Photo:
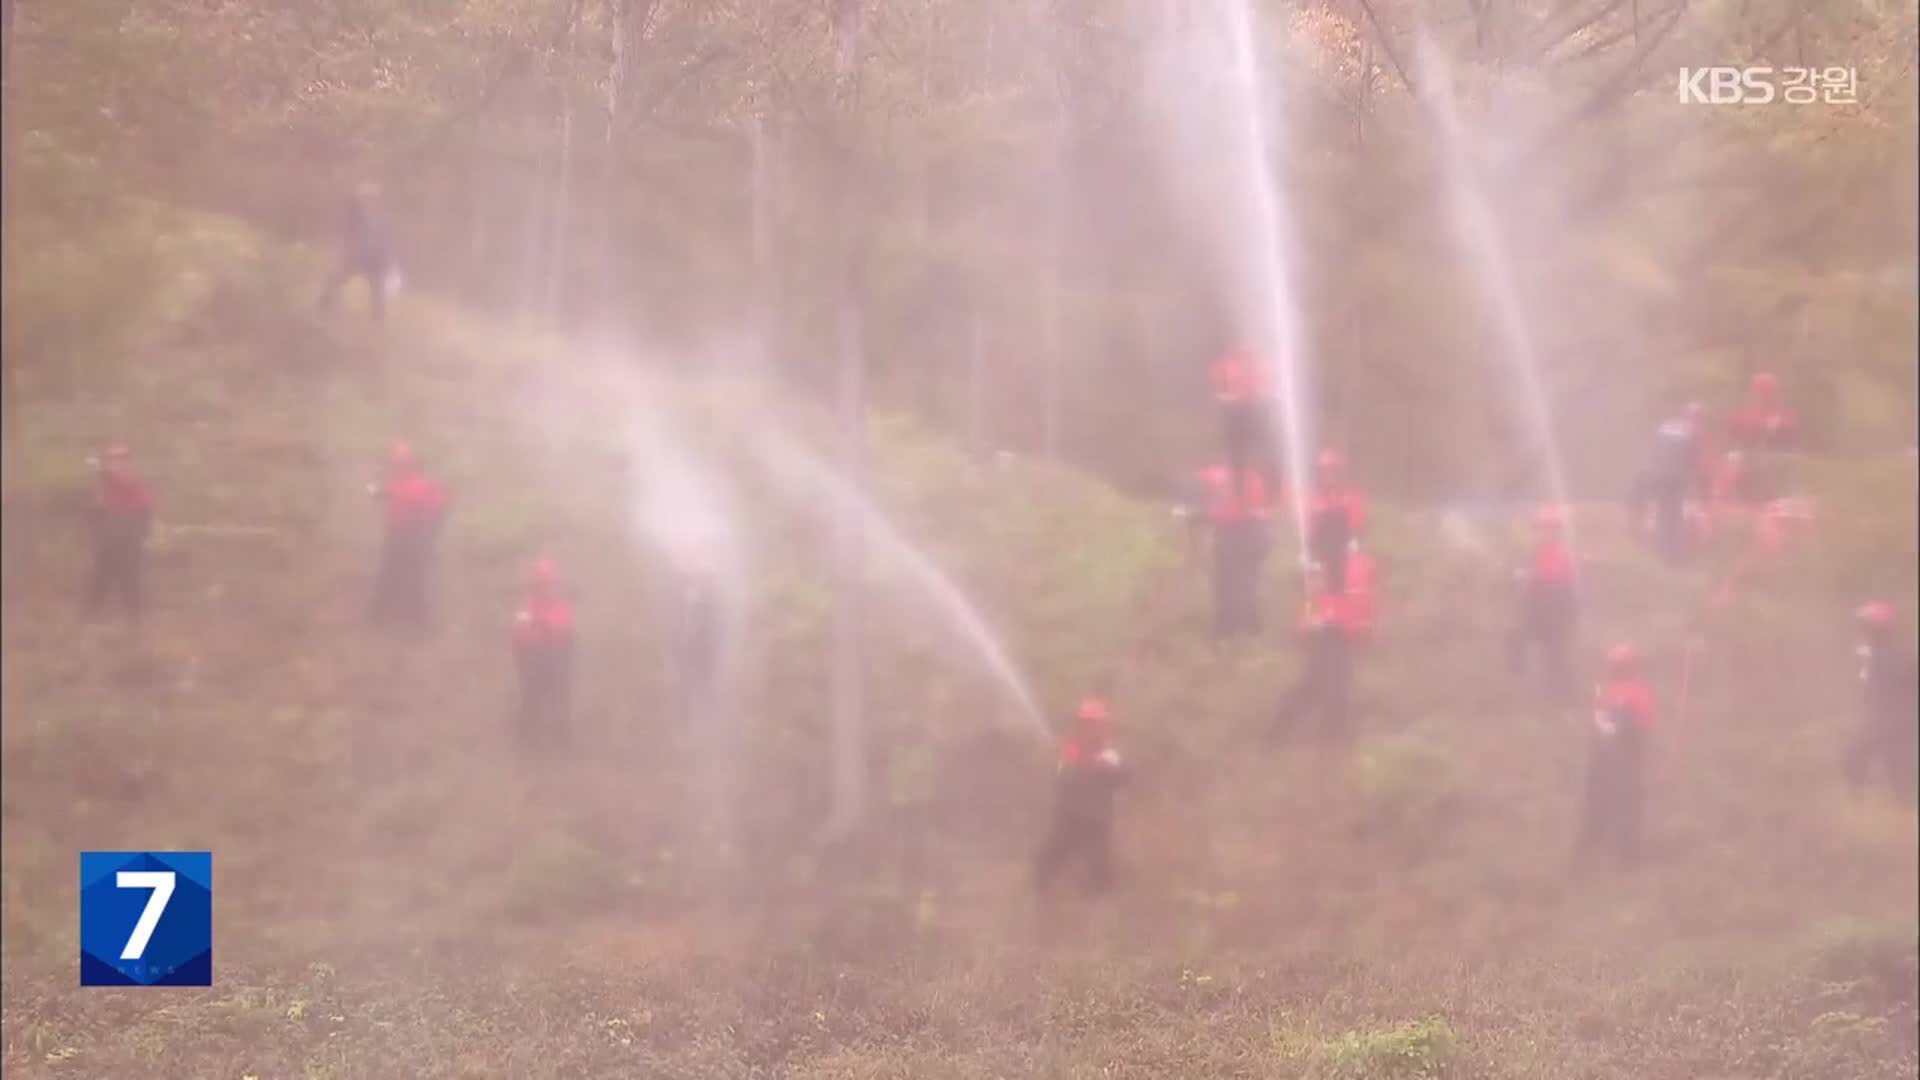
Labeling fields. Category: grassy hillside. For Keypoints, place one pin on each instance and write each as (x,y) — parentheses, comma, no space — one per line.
(403,893)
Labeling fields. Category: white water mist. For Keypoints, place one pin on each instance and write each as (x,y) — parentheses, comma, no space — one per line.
(1479,233)
(822,491)
(1216,98)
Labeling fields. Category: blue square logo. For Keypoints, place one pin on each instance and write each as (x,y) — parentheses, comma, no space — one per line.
(146,918)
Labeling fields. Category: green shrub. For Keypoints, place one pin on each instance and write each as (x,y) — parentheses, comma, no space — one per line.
(1405,785)
(555,876)
(1413,1050)
(1853,948)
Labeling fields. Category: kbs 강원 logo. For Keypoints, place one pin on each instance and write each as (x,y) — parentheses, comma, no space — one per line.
(146,918)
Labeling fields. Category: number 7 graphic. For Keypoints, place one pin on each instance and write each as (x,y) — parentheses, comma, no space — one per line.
(161,882)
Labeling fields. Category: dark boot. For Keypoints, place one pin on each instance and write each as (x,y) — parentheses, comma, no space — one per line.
(1097,843)
(1052,854)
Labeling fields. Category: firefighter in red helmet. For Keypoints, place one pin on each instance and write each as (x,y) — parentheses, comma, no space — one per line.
(1887,740)
(413,506)
(1236,515)
(122,518)
(1620,744)
(1543,631)
(543,645)
(1241,386)
(1336,514)
(1331,625)
(1087,777)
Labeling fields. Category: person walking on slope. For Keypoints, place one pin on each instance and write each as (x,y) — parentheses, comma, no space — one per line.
(1888,740)
(1543,632)
(1088,774)
(414,506)
(1237,515)
(122,518)
(1336,513)
(1330,628)
(543,645)
(1240,386)
(1670,478)
(366,251)
(1623,720)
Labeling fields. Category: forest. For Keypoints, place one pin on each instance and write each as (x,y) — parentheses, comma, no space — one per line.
(842,370)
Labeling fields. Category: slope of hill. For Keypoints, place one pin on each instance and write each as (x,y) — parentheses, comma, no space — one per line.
(402,892)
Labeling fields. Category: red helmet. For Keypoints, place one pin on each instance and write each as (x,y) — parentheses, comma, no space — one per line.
(1764,383)
(1093,712)
(117,451)
(1875,614)
(1549,519)
(1622,658)
(1330,460)
(401,454)
(544,571)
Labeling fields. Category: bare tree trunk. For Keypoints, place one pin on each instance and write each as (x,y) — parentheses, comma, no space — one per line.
(18,531)
(536,201)
(1053,253)
(849,681)
(561,225)
(977,381)
(764,300)
(16,438)
(609,276)
(1050,340)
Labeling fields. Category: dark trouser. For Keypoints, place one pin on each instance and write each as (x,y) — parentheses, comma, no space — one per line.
(546,692)
(1616,783)
(373,269)
(1544,634)
(1325,685)
(1239,548)
(1086,839)
(1888,749)
(1666,498)
(1329,542)
(1242,426)
(119,549)
(400,588)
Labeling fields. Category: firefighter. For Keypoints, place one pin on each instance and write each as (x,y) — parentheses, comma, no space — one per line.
(1623,720)
(1240,386)
(1763,422)
(1088,774)
(366,251)
(543,647)
(1669,479)
(1887,738)
(413,506)
(1336,513)
(1329,629)
(1237,516)
(122,518)
(1766,429)
(1543,632)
